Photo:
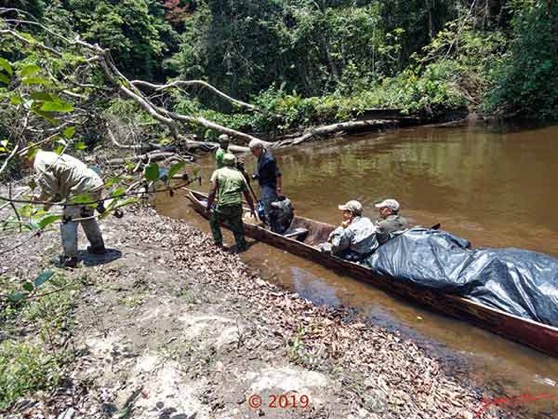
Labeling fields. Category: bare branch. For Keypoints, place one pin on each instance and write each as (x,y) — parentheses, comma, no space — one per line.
(119,145)
(203,84)
(11,156)
(27,41)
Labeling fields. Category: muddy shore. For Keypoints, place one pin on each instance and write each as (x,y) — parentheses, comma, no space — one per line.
(167,326)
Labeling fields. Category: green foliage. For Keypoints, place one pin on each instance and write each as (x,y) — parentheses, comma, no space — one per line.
(25,368)
(151,172)
(30,287)
(245,47)
(134,31)
(175,169)
(31,358)
(527,80)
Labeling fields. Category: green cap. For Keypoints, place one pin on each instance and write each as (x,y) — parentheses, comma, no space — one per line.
(229,159)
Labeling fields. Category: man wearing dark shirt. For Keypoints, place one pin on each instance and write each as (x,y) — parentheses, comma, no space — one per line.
(269,178)
(390,221)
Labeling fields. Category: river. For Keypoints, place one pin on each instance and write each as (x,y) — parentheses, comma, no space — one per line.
(491,184)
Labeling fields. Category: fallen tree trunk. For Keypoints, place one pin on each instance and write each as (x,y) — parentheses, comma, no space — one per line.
(335,128)
(210,146)
(153,157)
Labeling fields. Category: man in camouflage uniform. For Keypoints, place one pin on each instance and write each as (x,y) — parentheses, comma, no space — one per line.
(224,142)
(390,221)
(227,187)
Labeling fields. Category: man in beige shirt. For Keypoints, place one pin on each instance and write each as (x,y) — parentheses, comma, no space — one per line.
(61,178)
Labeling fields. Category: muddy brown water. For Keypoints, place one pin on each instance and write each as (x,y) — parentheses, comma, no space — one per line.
(493,185)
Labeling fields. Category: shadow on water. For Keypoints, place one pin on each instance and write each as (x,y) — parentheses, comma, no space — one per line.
(494,185)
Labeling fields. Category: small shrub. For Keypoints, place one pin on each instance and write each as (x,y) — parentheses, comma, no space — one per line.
(25,369)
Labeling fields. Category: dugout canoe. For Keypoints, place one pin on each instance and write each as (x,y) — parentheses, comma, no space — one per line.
(305,234)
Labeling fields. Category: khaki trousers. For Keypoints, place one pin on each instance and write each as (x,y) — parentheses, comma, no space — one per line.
(69,233)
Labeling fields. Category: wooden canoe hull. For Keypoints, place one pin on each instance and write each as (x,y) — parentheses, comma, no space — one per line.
(527,332)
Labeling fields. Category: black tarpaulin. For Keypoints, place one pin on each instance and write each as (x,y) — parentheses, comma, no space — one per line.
(519,282)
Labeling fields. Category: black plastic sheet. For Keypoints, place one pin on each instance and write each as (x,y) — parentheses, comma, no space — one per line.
(519,282)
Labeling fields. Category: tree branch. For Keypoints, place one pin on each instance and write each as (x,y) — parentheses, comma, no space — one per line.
(11,156)
(333,128)
(202,84)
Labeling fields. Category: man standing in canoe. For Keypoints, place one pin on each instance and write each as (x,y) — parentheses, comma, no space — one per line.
(269,178)
(390,221)
(227,187)
(355,239)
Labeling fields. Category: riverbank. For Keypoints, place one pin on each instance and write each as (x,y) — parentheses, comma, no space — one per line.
(170,327)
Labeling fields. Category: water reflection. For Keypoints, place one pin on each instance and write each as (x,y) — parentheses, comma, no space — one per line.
(313,288)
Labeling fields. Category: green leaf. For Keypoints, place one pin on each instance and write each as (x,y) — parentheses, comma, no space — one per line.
(112,181)
(16,100)
(175,168)
(125,202)
(69,132)
(29,70)
(32,184)
(17,296)
(6,66)
(60,106)
(59,149)
(28,81)
(44,96)
(82,198)
(48,220)
(152,172)
(46,115)
(4,143)
(80,146)
(120,191)
(42,278)
(28,286)
(5,78)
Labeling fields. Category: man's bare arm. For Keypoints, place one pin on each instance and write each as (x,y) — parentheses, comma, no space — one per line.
(211,197)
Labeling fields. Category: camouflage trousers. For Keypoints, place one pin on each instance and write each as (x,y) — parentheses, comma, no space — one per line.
(232,216)
(69,230)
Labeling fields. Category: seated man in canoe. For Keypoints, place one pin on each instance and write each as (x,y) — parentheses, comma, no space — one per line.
(390,221)
(355,239)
